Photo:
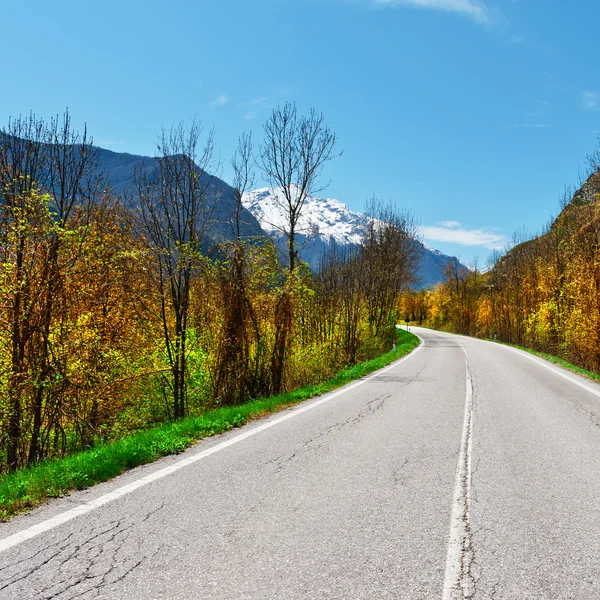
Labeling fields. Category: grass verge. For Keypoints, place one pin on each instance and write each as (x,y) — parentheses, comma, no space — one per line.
(557,361)
(27,488)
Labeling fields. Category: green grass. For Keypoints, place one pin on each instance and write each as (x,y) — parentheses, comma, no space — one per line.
(27,488)
(557,361)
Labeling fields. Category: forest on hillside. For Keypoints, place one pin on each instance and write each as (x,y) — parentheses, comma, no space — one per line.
(114,315)
(543,294)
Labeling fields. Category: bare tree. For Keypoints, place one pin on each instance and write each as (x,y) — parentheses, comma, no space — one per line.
(22,156)
(243,180)
(390,255)
(593,159)
(73,167)
(566,196)
(175,213)
(292,156)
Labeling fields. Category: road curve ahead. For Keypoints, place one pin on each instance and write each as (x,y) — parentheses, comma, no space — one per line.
(466,470)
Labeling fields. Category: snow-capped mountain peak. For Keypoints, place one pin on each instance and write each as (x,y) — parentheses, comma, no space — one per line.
(327,218)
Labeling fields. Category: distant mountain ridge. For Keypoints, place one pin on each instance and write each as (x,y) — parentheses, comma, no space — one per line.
(119,168)
(327,221)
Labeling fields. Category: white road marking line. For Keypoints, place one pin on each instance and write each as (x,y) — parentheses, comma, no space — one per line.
(82,509)
(554,369)
(457,578)
(557,370)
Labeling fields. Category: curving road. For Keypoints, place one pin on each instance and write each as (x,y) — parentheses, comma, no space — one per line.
(466,470)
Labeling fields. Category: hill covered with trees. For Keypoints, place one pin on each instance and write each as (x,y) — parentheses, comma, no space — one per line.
(543,294)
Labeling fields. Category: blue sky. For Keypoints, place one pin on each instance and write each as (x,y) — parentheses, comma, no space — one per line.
(473,114)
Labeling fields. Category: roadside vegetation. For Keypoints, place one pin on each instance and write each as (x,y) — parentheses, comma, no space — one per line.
(29,487)
(542,295)
(121,314)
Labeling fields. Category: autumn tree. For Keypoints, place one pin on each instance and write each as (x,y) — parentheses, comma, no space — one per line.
(236,380)
(73,179)
(21,165)
(341,299)
(45,170)
(292,156)
(175,210)
(390,255)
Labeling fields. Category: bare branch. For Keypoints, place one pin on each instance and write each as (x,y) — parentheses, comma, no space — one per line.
(292,157)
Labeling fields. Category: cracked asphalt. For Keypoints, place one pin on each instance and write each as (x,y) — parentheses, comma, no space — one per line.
(352,499)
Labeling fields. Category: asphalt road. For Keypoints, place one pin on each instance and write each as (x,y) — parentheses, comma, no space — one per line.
(467,470)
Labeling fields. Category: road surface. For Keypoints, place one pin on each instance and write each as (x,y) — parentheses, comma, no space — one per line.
(467,470)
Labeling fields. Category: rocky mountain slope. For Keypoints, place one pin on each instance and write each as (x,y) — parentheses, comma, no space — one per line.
(120,167)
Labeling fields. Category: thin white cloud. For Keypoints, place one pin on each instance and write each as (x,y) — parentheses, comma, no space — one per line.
(590,100)
(474,9)
(220,100)
(259,100)
(454,234)
(249,116)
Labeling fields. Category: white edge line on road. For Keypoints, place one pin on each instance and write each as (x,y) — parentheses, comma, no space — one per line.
(556,369)
(457,577)
(82,509)
(543,363)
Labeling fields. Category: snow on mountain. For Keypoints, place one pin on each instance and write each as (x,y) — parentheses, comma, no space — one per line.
(327,218)
(327,221)
(432,250)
